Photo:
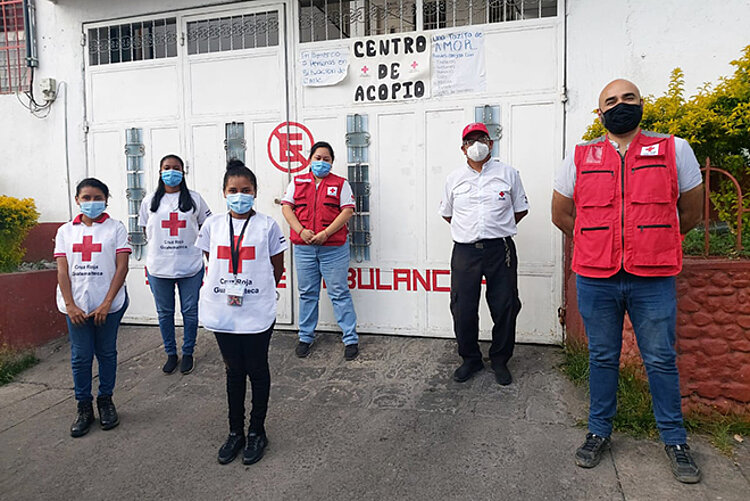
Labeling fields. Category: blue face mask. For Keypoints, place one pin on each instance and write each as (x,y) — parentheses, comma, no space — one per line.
(171,177)
(240,203)
(93,209)
(320,168)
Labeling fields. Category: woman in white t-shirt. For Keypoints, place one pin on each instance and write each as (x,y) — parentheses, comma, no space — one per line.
(172,216)
(245,253)
(92,261)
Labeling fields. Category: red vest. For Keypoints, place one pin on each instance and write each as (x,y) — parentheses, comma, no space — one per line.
(626,209)
(317,208)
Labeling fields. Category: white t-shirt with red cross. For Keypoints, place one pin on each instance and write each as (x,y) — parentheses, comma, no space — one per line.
(171,235)
(262,239)
(91,252)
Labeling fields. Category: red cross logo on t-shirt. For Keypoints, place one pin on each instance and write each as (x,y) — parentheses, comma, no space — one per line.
(87,248)
(174,223)
(246,254)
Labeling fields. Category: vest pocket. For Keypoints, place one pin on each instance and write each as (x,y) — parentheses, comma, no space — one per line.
(650,183)
(595,187)
(654,245)
(594,246)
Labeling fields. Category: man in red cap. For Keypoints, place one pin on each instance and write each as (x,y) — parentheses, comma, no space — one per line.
(483,200)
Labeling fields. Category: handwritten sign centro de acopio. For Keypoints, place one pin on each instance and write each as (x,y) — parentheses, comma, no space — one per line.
(391,68)
(458,62)
(323,67)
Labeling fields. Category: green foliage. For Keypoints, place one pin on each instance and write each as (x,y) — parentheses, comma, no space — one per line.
(13,362)
(720,243)
(716,123)
(635,415)
(17,217)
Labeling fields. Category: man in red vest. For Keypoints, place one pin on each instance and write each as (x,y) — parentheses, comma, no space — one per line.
(626,199)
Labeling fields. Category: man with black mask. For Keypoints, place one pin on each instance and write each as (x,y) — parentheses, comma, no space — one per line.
(625,199)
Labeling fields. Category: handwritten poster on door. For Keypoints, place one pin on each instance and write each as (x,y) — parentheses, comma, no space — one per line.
(458,62)
(390,68)
(324,67)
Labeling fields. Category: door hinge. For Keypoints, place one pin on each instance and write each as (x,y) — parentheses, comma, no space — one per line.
(564,95)
(182,38)
(85,127)
(83,39)
(561,315)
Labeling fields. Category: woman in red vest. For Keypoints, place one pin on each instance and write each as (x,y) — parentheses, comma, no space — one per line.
(317,206)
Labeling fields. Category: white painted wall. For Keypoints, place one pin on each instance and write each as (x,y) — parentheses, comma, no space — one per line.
(643,40)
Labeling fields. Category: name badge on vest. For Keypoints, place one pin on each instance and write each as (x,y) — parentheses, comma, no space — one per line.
(650,151)
(235,291)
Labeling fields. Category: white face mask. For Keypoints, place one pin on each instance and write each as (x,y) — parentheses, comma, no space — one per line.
(477,151)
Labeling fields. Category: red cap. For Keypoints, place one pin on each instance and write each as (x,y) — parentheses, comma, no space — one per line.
(474,127)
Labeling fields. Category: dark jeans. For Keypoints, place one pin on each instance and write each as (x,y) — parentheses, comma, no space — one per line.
(496,261)
(246,355)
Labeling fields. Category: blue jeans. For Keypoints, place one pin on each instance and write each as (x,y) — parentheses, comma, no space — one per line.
(332,264)
(88,340)
(651,304)
(163,291)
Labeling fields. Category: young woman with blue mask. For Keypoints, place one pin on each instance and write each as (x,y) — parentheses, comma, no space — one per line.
(317,206)
(92,261)
(245,251)
(172,216)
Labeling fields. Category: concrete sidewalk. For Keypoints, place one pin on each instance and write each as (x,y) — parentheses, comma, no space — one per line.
(391,425)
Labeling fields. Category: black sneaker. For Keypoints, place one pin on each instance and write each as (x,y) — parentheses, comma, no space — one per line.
(683,467)
(303,349)
(170,365)
(590,453)
(502,374)
(467,370)
(234,444)
(84,420)
(107,412)
(256,444)
(351,351)
(186,366)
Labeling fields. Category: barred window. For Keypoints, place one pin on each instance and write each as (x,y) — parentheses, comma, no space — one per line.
(13,75)
(137,41)
(248,31)
(321,20)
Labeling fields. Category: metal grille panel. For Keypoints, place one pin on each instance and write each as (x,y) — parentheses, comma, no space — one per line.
(248,31)
(137,41)
(13,75)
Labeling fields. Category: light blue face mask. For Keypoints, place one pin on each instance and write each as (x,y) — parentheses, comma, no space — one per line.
(93,209)
(171,177)
(320,168)
(240,203)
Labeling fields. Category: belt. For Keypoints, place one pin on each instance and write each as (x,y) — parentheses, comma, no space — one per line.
(492,242)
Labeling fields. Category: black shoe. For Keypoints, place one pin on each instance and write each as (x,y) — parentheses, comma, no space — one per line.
(170,365)
(351,351)
(84,420)
(186,366)
(234,444)
(502,374)
(467,369)
(107,412)
(303,349)
(683,467)
(256,444)
(590,453)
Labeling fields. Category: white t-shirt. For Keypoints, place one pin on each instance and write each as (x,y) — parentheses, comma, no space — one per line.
(171,235)
(262,239)
(346,197)
(91,253)
(483,204)
(688,169)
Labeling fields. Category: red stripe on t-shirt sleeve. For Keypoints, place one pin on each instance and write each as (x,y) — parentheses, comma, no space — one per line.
(124,249)
(60,254)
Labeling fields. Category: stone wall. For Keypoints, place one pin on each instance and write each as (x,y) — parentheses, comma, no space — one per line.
(713,334)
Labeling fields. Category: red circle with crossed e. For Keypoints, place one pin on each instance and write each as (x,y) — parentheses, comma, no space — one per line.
(288,140)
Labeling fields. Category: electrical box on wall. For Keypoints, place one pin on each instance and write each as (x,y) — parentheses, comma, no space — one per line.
(48,87)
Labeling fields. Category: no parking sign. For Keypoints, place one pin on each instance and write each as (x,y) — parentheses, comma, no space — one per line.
(286,143)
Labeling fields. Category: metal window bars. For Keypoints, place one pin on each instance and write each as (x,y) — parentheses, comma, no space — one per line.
(357,144)
(17,50)
(136,41)
(321,20)
(247,31)
(234,142)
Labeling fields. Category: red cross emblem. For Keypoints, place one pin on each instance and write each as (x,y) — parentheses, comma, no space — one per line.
(87,248)
(414,65)
(365,69)
(246,254)
(174,223)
